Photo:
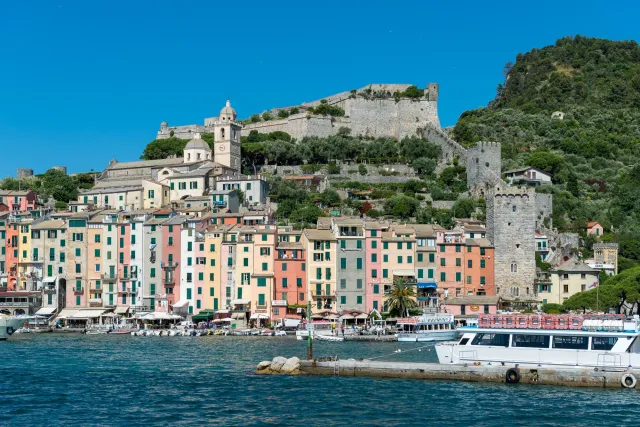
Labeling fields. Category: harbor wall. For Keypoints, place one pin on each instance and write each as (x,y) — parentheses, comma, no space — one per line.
(484,373)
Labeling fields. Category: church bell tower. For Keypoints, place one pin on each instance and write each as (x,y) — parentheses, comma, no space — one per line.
(227,139)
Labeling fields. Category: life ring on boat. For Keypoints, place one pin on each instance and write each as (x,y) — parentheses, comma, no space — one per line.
(10,330)
(512,376)
(628,381)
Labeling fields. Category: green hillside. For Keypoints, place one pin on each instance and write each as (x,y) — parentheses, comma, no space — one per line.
(593,153)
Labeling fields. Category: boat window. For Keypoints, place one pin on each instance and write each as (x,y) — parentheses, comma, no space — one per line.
(571,342)
(603,343)
(501,340)
(535,341)
(464,341)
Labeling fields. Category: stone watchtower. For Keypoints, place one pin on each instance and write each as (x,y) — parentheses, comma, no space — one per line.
(511,219)
(227,136)
(432,91)
(483,166)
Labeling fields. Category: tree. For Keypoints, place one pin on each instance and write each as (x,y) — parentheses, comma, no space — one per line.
(253,154)
(283,114)
(266,116)
(307,215)
(240,194)
(552,308)
(424,166)
(401,206)
(59,186)
(164,148)
(255,118)
(464,208)
(330,197)
(362,169)
(401,297)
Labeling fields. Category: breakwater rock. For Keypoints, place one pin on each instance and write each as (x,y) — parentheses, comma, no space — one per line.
(280,365)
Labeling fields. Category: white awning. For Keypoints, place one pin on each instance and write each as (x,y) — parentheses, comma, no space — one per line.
(121,309)
(181,304)
(347,317)
(45,311)
(67,313)
(259,316)
(239,302)
(222,311)
(404,273)
(50,279)
(88,314)
(238,316)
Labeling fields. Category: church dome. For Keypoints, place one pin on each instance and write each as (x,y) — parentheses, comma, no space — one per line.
(197,143)
(227,113)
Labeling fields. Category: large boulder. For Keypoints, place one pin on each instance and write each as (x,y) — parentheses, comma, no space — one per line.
(291,366)
(277,363)
(264,365)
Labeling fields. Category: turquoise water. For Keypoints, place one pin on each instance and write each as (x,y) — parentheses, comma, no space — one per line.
(57,379)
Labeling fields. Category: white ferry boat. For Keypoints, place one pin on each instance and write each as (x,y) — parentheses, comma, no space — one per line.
(594,342)
(431,327)
(9,325)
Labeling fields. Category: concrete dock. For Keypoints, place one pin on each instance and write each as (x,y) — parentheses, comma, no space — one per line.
(609,378)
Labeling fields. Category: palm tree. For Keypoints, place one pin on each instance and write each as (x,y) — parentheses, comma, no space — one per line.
(401,297)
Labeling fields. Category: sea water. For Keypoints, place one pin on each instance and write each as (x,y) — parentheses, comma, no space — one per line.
(68,379)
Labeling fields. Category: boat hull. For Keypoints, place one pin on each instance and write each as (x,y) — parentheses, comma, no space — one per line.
(428,336)
(9,325)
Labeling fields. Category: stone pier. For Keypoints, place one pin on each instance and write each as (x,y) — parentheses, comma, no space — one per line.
(610,378)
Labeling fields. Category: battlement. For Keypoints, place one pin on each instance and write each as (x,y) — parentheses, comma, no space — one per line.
(483,145)
(606,246)
(503,191)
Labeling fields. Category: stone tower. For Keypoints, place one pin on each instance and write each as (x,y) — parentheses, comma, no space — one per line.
(511,218)
(227,137)
(483,166)
(432,91)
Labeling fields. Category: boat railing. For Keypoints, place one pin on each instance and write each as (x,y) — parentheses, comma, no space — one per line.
(468,355)
(609,360)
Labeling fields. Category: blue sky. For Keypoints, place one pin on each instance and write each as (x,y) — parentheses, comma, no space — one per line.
(82,82)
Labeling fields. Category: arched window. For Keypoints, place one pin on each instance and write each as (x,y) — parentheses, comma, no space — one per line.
(514,267)
(514,291)
(222,133)
(198,156)
(188,156)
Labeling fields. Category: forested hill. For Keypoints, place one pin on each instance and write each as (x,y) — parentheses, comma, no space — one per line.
(593,152)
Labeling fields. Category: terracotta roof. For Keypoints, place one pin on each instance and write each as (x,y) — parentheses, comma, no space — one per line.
(592,224)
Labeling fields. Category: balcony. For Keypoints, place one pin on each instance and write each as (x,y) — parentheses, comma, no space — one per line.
(95,302)
(125,290)
(169,281)
(49,290)
(78,291)
(279,303)
(108,277)
(169,265)
(95,288)
(351,233)
(33,260)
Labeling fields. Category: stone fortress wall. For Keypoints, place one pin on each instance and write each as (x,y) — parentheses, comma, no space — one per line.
(370,112)
(364,116)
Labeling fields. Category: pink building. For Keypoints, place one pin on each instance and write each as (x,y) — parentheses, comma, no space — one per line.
(471,305)
(200,279)
(19,200)
(373,263)
(170,263)
(595,229)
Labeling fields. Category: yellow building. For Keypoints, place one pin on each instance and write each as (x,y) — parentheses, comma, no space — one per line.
(320,246)
(262,282)
(568,279)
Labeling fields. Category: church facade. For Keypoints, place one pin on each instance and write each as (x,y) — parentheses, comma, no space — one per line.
(192,175)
